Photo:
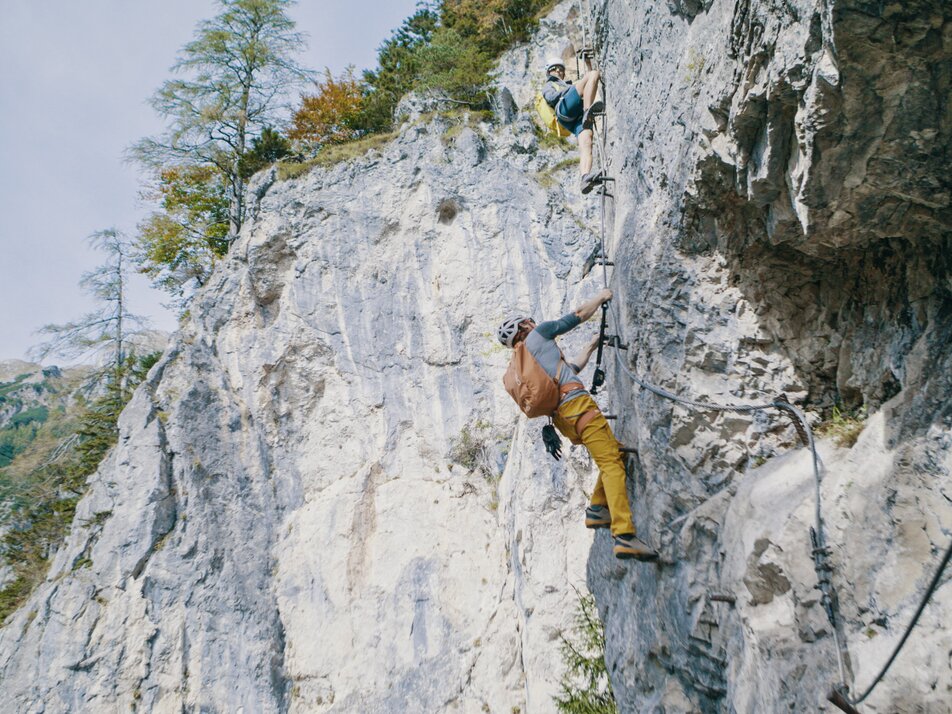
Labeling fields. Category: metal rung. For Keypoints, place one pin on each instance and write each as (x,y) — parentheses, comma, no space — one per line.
(628,449)
(839,697)
(615,341)
(610,416)
(585,52)
(602,261)
(722,597)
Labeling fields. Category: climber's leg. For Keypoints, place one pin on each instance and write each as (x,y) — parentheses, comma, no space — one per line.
(585,152)
(604,448)
(587,86)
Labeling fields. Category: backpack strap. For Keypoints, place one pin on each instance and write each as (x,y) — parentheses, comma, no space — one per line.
(568,386)
(553,92)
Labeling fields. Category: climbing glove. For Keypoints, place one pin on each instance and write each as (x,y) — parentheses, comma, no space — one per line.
(553,444)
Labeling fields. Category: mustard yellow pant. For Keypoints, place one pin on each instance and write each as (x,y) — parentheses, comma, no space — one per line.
(603,446)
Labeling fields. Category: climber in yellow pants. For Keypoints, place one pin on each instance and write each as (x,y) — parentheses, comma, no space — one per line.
(576,415)
(610,492)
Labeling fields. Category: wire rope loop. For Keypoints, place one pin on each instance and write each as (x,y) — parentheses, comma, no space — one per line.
(927,596)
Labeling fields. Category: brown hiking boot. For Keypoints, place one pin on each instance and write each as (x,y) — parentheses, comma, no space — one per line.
(629,546)
(597,517)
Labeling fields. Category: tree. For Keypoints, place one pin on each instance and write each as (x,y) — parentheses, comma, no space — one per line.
(240,68)
(585,687)
(111,328)
(454,65)
(334,114)
(178,246)
(99,422)
(397,67)
(492,25)
(38,511)
(265,150)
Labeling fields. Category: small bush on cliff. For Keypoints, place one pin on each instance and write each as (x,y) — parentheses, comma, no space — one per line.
(472,449)
(585,687)
(843,426)
(335,113)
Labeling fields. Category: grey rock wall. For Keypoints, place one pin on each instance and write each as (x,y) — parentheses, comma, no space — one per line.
(323,501)
(781,224)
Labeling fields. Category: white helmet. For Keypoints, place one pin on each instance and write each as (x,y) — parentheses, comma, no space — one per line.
(509,329)
(554,62)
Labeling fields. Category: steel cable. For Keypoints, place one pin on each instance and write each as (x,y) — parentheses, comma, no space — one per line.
(930,591)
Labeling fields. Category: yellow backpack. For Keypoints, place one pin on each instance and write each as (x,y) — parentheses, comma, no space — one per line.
(547,115)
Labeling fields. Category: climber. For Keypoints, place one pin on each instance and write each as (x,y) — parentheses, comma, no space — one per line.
(575,106)
(551,387)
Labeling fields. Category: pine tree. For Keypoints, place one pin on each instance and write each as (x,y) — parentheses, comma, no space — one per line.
(265,150)
(239,69)
(111,329)
(585,687)
(38,511)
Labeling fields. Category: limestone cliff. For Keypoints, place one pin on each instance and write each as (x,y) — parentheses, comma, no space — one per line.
(323,501)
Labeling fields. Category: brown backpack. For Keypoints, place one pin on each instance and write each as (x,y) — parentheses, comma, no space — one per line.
(536,393)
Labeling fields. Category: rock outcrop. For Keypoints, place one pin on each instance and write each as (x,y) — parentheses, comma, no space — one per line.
(322,500)
(781,224)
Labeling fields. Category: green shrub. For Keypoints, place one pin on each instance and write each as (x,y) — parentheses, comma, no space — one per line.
(843,427)
(265,150)
(38,414)
(472,449)
(585,687)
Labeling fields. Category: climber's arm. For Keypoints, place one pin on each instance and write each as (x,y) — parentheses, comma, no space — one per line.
(582,358)
(589,307)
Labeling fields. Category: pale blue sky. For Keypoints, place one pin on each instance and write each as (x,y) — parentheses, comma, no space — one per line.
(73,90)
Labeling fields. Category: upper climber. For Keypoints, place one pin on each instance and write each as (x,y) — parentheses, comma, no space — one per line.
(575,107)
(544,383)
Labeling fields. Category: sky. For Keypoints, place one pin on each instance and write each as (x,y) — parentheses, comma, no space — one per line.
(74,86)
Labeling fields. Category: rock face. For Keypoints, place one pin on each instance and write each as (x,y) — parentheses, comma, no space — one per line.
(781,224)
(322,500)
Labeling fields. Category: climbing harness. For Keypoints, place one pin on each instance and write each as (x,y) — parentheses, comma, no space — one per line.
(821,552)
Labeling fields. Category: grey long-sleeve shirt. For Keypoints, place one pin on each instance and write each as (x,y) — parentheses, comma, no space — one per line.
(554,89)
(541,345)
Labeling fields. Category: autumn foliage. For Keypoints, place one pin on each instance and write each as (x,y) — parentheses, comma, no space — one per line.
(334,114)
(178,246)
(446,46)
